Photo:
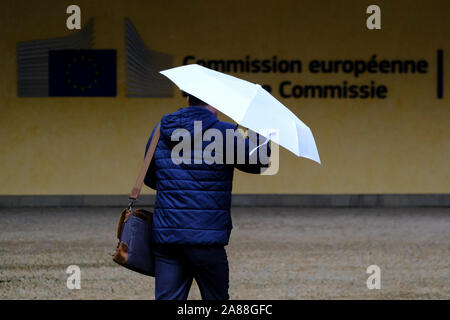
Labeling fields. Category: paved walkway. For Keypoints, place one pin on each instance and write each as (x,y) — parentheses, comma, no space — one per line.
(275,253)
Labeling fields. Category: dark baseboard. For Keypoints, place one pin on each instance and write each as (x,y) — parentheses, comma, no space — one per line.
(245,200)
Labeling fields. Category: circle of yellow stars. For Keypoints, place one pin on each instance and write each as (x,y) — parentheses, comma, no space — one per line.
(73,63)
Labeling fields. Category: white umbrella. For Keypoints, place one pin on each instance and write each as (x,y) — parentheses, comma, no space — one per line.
(248,104)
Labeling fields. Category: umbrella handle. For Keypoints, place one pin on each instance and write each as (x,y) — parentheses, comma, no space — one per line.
(265,142)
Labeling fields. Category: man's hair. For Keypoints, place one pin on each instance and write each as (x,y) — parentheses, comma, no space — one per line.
(194,101)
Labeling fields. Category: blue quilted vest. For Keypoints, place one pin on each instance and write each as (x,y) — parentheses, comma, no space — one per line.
(193,200)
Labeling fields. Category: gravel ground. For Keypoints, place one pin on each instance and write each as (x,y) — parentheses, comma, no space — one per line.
(274,253)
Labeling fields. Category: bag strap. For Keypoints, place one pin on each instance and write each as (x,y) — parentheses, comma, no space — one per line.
(148,159)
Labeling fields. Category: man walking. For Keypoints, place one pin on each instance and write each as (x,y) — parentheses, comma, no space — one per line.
(192,222)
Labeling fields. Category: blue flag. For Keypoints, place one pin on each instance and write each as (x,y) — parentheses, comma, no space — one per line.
(82,73)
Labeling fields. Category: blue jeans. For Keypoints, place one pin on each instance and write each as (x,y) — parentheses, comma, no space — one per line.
(177,265)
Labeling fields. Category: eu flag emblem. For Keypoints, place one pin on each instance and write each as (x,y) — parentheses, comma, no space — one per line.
(82,73)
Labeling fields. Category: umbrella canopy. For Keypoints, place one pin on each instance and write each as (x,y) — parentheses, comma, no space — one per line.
(249,105)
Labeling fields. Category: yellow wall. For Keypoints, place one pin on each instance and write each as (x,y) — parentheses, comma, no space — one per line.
(94,145)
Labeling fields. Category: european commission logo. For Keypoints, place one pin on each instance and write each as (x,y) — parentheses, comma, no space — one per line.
(70,67)
(82,73)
